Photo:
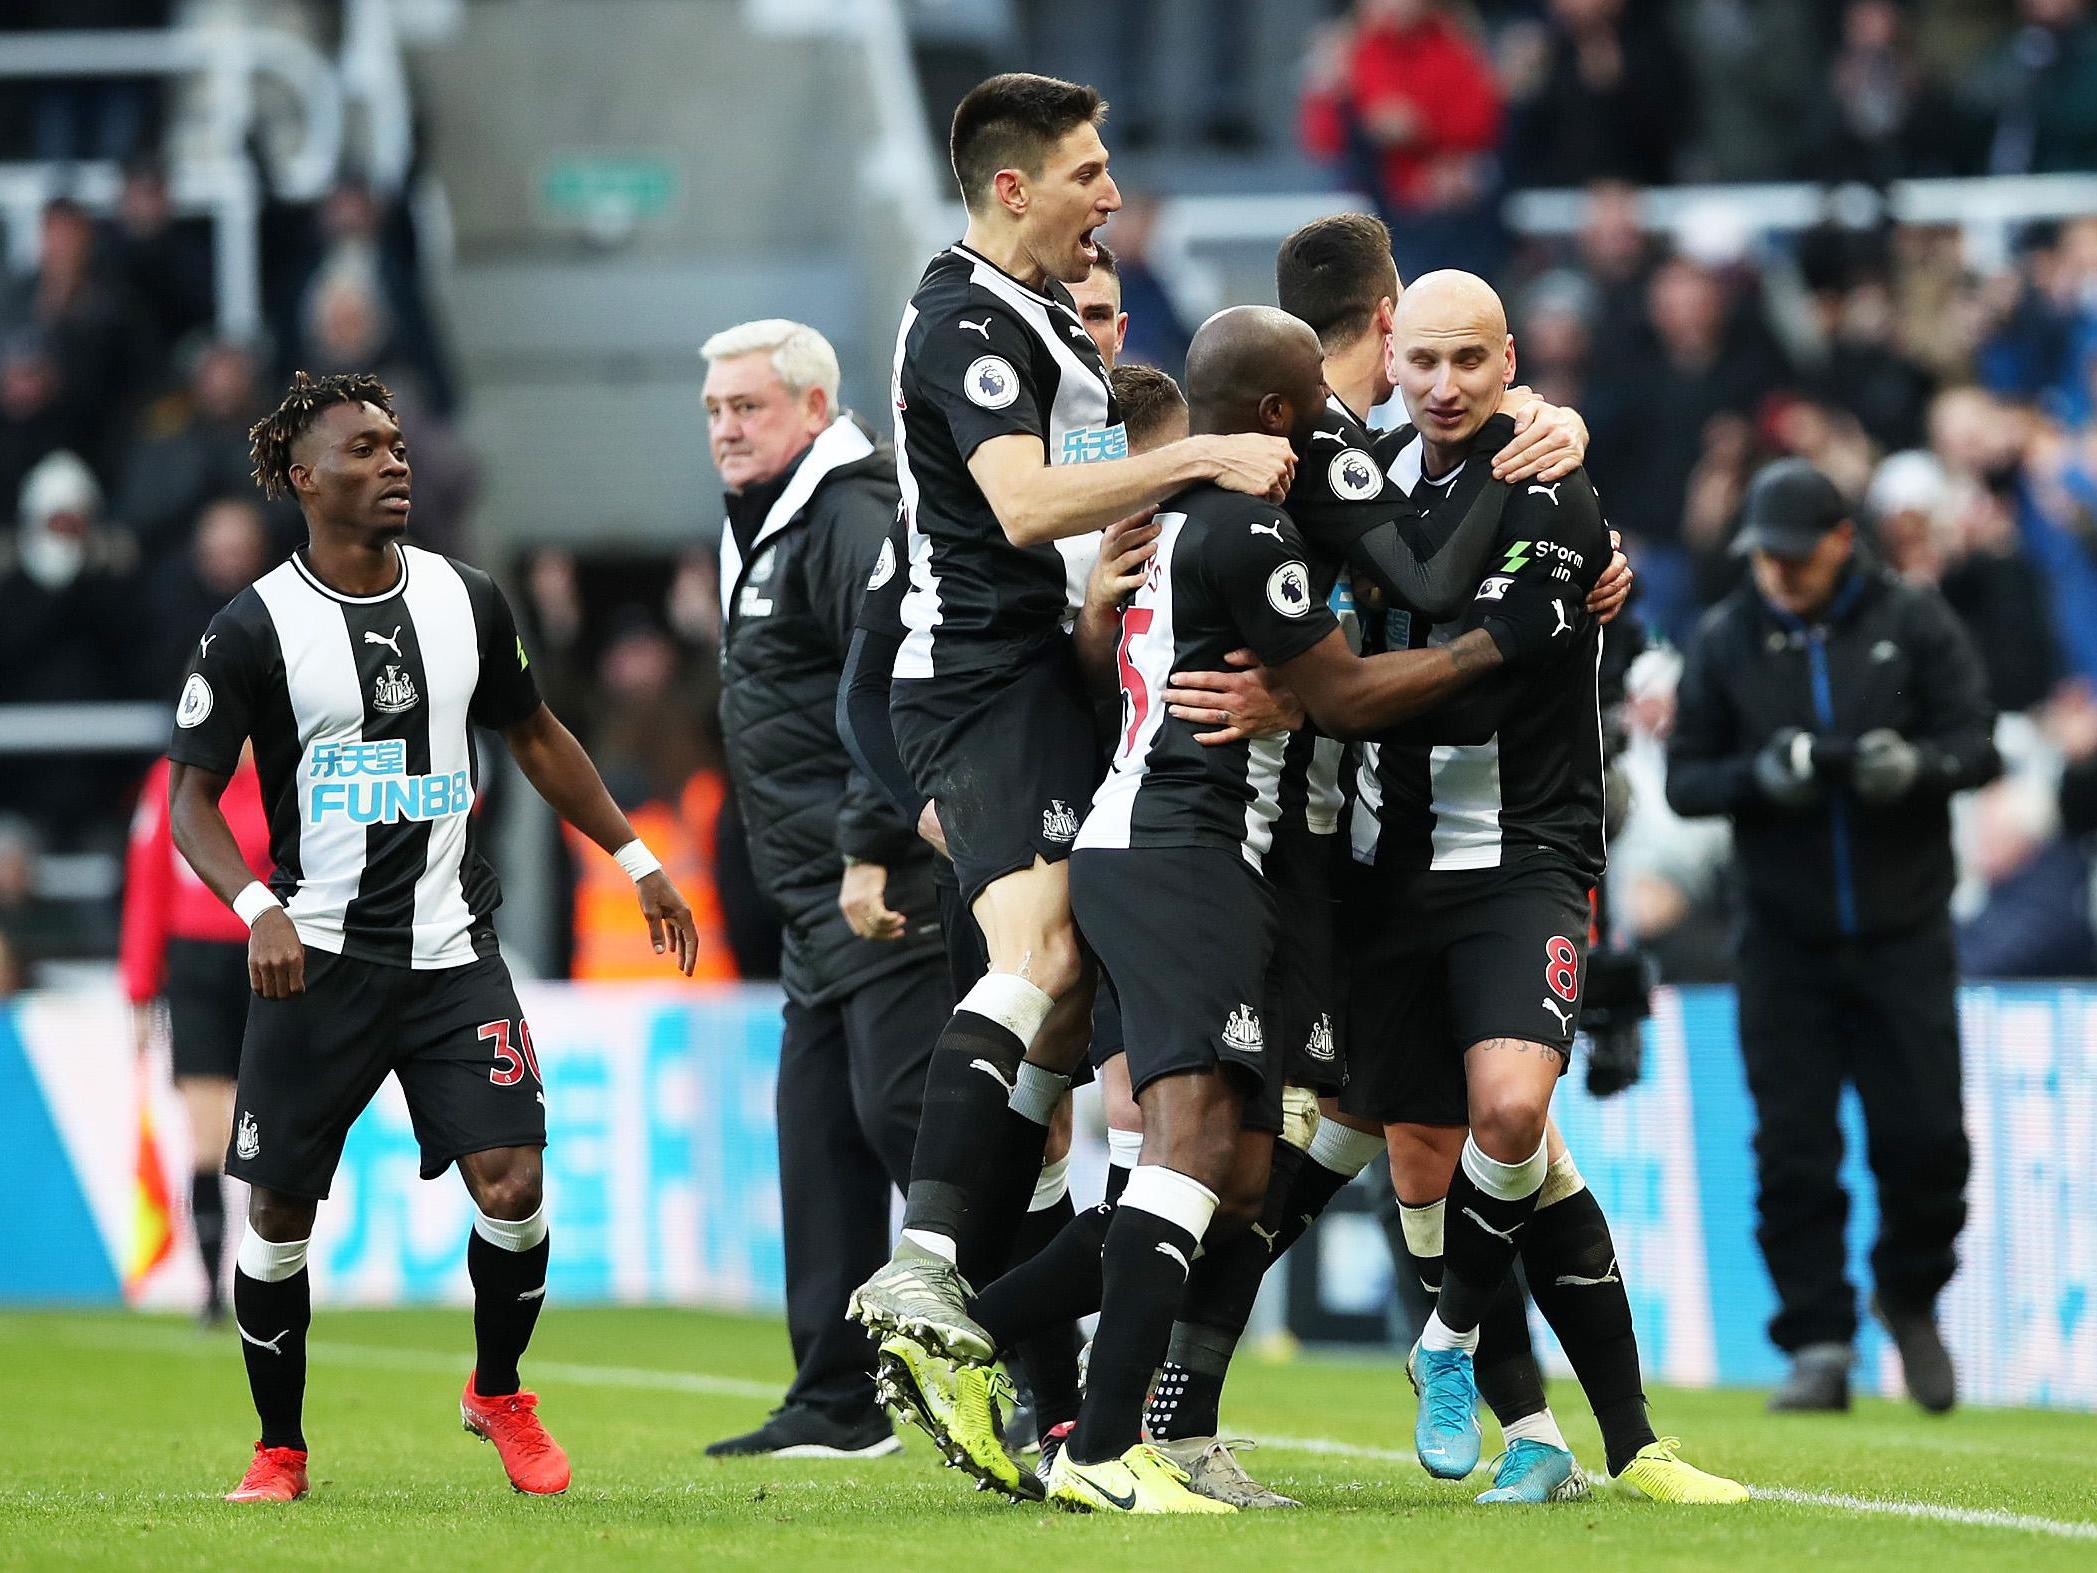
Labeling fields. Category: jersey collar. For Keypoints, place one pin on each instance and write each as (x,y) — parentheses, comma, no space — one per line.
(305,572)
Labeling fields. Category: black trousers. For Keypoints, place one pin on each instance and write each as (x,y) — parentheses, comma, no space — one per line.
(1880,1015)
(851,1084)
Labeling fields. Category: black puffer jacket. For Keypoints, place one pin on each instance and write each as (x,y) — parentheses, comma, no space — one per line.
(1886,654)
(790,600)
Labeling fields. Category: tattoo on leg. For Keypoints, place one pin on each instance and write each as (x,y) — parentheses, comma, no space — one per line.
(1524,1046)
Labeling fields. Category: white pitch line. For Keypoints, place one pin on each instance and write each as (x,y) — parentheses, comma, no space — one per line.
(1977,1518)
(709,1385)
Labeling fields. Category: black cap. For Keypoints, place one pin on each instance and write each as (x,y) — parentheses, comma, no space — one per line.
(1790,507)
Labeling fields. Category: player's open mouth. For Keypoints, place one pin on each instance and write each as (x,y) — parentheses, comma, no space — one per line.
(1088,246)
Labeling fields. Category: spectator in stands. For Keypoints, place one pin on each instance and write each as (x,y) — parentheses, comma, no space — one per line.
(34,419)
(192,447)
(1755,73)
(354,235)
(229,548)
(165,262)
(68,614)
(96,332)
(1618,258)
(1862,367)
(35,928)
(1410,103)
(2040,91)
(1882,115)
(2035,919)
(2070,726)
(1962,538)
(1596,96)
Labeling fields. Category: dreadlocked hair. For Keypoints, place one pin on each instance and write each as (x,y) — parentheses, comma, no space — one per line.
(270,439)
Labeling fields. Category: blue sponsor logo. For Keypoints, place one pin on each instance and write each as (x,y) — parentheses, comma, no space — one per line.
(1397,630)
(337,761)
(1092,444)
(358,790)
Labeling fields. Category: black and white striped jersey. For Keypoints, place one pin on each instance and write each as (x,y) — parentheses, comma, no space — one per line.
(981,355)
(1230,572)
(360,710)
(1514,766)
(1354,520)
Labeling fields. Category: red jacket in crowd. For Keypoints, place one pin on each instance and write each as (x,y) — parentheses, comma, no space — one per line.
(1437,74)
(163,898)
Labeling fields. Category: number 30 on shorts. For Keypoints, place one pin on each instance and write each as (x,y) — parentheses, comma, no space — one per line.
(1562,968)
(510,1063)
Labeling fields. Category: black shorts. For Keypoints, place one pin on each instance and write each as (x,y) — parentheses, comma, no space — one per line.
(1439,961)
(207,1005)
(1010,757)
(312,1062)
(1304,985)
(1187,934)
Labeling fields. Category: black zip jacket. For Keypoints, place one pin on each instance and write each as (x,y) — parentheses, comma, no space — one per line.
(791,589)
(1886,654)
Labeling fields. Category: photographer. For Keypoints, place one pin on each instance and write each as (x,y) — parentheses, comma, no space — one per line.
(1832,711)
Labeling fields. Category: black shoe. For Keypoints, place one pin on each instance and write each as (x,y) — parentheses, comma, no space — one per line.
(798,1431)
(1819,1381)
(1925,1364)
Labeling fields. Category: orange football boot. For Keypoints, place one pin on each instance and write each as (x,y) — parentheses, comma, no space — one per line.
(532,1459)
(275,1474)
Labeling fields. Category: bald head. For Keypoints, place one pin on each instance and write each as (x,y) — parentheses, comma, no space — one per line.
(1450,354)
(1449,301)
(1255,369)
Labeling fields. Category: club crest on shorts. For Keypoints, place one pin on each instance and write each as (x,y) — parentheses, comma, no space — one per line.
(394,691)
(1059,821)
(1319,1045)
(1289,589)
(1242,1030)
(247,1141)
(1353,476)
(991,382)
(196,701)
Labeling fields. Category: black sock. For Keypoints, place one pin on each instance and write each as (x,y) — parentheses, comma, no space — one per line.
(1144,1274)
(1049,1358)
(1479,1234)
(1117,1181)
(1058,1283)
(1509,1379)
(963,1168)
(1282,1169)
(1573,1273)
(990,1237)
(207,1215)
(1213,1313)
(1311,1190)
(509,1287)
(273,1318)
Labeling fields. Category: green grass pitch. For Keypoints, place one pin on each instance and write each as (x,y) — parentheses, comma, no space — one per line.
(119,1433)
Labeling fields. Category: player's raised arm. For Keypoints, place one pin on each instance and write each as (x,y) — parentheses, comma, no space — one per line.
(1036,502)
(562,773)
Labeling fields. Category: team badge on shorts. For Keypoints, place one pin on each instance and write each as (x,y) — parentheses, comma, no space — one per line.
(1319,1045)
(247,1141)
(196,701)
(1059,821)
(1353,476)
(1242,1030)
(990,382)
(1289,589)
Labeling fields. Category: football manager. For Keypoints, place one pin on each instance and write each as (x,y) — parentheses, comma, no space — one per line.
(811,496)
(1831,711)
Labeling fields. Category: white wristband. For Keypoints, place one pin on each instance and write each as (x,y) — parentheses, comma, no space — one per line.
(255,898)
(637,860)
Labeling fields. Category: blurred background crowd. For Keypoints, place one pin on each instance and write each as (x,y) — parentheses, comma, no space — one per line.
(1716,224)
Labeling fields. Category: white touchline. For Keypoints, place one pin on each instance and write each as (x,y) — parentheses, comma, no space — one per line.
(704,1383)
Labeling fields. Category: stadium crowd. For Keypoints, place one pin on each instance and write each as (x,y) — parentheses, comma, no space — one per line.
(1944,377)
